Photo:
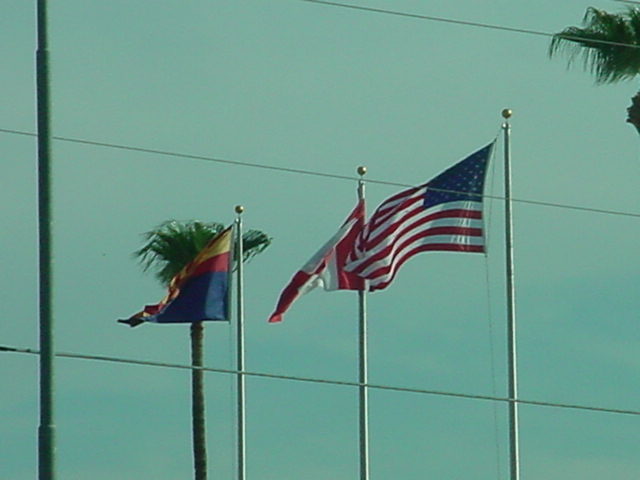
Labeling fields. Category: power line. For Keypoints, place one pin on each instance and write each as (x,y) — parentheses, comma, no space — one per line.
(464,22)
(194,157)
(299,171)
(422,391)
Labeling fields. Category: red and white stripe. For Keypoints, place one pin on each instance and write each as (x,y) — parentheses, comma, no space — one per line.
(401,227)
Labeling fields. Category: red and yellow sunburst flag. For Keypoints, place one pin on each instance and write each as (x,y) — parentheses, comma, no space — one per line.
(200,291)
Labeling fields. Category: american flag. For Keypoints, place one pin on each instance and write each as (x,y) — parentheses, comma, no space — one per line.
(444,214)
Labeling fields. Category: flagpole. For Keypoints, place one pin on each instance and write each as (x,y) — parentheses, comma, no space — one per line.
(46,430)
(363,365)
(511,310)
(240,347)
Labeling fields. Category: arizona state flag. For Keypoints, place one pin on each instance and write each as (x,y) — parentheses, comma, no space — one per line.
(200,291)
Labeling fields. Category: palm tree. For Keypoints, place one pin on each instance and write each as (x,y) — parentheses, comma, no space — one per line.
(609,46)
(168,248)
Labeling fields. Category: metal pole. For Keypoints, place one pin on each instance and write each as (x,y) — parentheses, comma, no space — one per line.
(363,366)
(511,305)
(46,430)
(242,471)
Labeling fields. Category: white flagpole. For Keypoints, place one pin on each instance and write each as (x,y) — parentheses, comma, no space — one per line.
(240,347)
(511,305)
(363,368)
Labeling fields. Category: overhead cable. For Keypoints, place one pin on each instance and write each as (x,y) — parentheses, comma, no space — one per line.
(104,358)
(461,22)
(310,172)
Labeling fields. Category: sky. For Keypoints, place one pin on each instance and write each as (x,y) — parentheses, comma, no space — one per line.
(318,88)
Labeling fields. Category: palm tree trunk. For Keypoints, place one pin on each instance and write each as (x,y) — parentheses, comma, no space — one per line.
(197,403)
(633,112)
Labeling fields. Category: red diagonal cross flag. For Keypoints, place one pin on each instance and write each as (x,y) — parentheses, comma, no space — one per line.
(326,267)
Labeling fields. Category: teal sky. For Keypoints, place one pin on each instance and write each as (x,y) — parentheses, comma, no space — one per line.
(287,83)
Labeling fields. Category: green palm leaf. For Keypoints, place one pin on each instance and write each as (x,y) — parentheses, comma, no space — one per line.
(597,44)
(172,245)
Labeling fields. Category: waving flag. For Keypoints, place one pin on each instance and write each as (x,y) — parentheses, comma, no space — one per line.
(326,267)
(444,214)
(200,291)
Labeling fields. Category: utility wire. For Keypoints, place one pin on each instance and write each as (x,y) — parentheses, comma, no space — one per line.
(310,172)
(104,358)
(464,22)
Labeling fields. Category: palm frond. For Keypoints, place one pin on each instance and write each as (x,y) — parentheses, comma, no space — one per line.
(595,44)
(253,243)
(172,245)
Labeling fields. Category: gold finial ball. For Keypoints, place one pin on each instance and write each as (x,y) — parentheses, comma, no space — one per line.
(362,170)
(239,209)
(507,112)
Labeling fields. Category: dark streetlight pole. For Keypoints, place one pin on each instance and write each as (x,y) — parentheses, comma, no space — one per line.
(46,430)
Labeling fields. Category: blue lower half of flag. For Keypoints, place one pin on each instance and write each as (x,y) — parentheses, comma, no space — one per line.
(205,297)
